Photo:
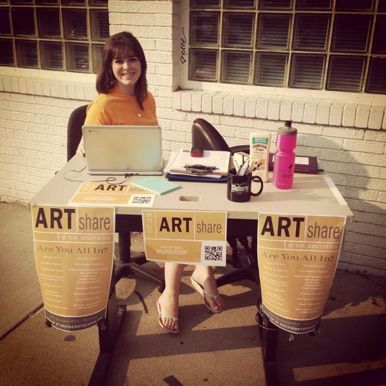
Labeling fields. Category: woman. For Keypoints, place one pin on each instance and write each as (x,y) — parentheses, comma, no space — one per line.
(124,100)
(122,86)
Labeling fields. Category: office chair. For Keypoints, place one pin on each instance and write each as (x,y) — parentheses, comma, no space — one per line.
(206,137)
(127,262)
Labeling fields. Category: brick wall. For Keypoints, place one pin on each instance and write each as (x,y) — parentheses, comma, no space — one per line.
(349,138)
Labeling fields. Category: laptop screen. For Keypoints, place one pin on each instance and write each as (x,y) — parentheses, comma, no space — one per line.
(123,149)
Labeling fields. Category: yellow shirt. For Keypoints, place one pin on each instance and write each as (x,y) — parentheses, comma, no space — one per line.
(118,108)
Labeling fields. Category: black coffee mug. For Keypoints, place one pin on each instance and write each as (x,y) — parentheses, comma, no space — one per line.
(240,187)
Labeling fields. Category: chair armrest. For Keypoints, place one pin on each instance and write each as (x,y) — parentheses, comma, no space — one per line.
(240,148)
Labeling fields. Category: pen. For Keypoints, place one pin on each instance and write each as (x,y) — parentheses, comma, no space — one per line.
(244,168)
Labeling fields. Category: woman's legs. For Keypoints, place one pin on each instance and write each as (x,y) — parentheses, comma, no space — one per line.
(168,301)
(204,275)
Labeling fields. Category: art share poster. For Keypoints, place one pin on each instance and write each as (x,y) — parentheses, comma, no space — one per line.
(74,261)
(297,257)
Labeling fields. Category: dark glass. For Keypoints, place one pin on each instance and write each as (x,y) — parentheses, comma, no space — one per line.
(20,2)
(51,55)
(275,4)
(23,21)
(99,20)
(46,2)
(376,79)
(204,28)
(351,33)
(75,23)
(205,3)
(72,2)
(270,69)
(307,71)
(353,5)
(273,31)
(5,28)
(48,22)
(236,67)
(381,5)
(311,32)
(98,2)
(6,52)
(77,57)
(97,50)
(203,65)
(239,4)
(237,29)
(379,39)
(313,4)
(26,53)
(346,73)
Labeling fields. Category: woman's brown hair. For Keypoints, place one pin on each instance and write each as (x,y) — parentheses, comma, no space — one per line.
(122,45)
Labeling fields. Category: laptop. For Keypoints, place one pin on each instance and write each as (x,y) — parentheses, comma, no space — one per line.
(123,149)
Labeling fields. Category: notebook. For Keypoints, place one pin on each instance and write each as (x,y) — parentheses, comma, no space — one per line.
(158,185)
(123,149)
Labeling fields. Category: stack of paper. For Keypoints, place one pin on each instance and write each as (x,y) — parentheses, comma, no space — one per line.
(180,164)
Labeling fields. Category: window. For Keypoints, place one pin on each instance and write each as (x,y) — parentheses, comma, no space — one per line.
(337,45)
(62,35)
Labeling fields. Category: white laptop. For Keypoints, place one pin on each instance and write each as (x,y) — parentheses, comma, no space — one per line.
(123,149)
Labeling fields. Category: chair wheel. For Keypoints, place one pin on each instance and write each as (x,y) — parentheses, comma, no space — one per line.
(161,288)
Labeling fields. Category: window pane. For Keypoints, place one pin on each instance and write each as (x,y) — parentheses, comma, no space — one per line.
(236,67)
(5,27)
(75,24)
(6,52)
(99,27)
(313,4)
(205,3)
(270,69)
(346,73)
(350,33)
(273,31)
(307,71)
(98,2)
(376,80)
(48,22)
(77,57)
(44,2)
(26,53)
(237,29)
(204,28)
(17,2)
(72,2)
(275,4)
(347,5)
(379,40)
(51,55)
(97,50)
(239,4)
(202,65)
(23,21)
(382,6)
(311,32)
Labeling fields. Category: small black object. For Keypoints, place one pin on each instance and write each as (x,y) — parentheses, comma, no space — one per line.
(196,152)
(199,169)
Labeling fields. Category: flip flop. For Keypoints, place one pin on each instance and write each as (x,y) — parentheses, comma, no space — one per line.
(200,289)
(162,316)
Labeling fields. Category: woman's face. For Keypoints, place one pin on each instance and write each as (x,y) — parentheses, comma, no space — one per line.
(127,72)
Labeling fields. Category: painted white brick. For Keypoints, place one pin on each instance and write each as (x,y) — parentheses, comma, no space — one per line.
(206,103)
(298,110)
(262,107)
(285,110)
(336,114)
(363,146)
(196,101)
(322,113)
(378,135)
(349,112)
(177,101)
(273,109)
(343,133)
(218,104)
(228,102)
(320,141)
(236,121)
(309,112)
(239,106)
(376,116)
(381,197)
(250,107)
(186,100)
(362,116)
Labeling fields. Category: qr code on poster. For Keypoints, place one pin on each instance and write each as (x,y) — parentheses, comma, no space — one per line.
(145,200)
(214,253)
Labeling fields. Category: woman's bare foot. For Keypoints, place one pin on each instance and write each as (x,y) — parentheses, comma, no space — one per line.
(168,313)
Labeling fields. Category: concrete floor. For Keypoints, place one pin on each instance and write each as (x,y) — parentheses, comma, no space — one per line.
(224,349)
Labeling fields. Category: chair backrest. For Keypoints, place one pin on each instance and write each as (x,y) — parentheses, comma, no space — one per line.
(206,137)
(74,129)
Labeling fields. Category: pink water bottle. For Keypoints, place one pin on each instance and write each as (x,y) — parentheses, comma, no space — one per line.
(284,163)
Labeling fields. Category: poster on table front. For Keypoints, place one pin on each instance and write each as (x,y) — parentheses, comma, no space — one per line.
(74,261)
(297,257)
(186,237)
